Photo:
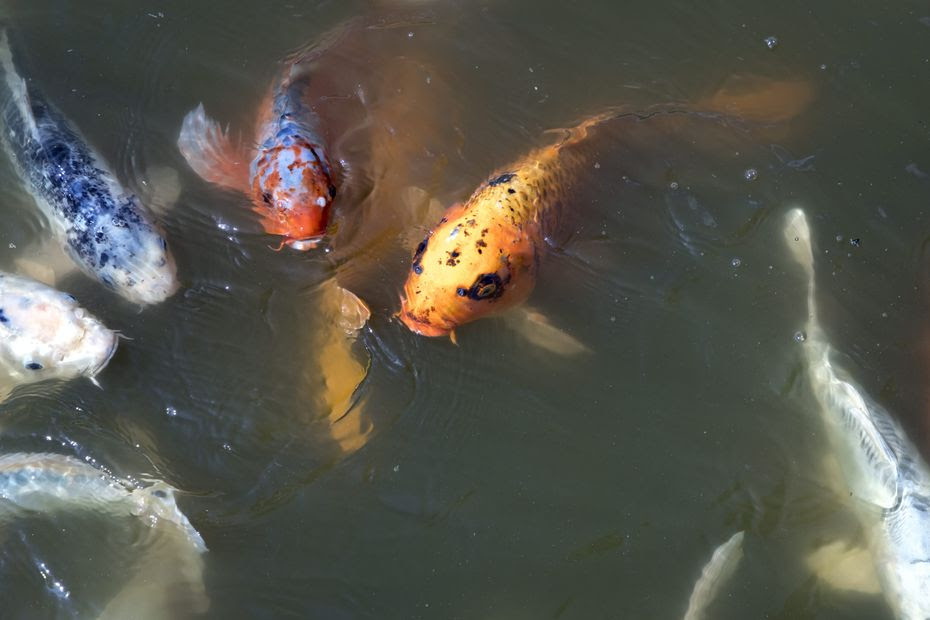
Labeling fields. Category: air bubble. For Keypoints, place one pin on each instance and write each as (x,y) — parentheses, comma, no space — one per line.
(171,411)
(736,262)
(751,174)
(673,185)
(771,42)
(800,336)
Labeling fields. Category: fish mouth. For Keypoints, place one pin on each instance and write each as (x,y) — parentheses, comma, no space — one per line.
(302,245)
(420,326)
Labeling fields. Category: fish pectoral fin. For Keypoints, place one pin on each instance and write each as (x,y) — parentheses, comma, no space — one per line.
(418,211)
(209,151)
(844,567)
(350,312)
(537,329)
(6,388)
(161,188)
(47,263)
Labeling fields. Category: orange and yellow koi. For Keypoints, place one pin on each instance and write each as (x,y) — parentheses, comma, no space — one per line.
(483,256)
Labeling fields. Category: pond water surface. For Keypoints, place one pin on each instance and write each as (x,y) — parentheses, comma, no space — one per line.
(493,479)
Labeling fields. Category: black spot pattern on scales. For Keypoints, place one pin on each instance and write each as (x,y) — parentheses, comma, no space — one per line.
(504,178)
(107,232)
(418,255)
(486,286)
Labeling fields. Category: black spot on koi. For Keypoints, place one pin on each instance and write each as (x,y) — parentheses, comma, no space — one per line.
(504,178)
(486,286)
(418,255)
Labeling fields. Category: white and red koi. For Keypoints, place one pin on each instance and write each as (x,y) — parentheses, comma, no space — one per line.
(289,177)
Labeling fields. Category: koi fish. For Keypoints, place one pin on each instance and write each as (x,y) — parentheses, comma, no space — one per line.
(289,177)
(45,334)
(483,256)
(41,482)
(883,472)
(103,227)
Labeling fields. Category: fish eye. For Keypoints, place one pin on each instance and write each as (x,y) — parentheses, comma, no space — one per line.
(266,196)
(34,366)
(486,286)
(159,493)
(461,292)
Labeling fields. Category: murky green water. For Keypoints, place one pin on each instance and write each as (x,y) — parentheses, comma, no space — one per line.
(492,479)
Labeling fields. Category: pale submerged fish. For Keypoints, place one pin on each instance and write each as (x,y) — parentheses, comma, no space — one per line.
(45,334)
(39,482)
(885,476)
(104,227)
(718,570)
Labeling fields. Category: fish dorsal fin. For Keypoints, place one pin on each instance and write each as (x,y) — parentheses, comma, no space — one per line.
(874,479)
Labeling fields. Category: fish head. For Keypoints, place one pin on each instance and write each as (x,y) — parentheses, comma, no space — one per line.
(292,190)
(153,278)
(157,503)
(131,255)
(55,338)
(471,265)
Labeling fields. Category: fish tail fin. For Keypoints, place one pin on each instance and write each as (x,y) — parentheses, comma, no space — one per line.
(209,151)
(798,237)
(15,85)
(580,132)
(760,100)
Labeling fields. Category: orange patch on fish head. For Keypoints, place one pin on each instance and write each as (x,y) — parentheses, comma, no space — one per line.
(470,266)
(293,191)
